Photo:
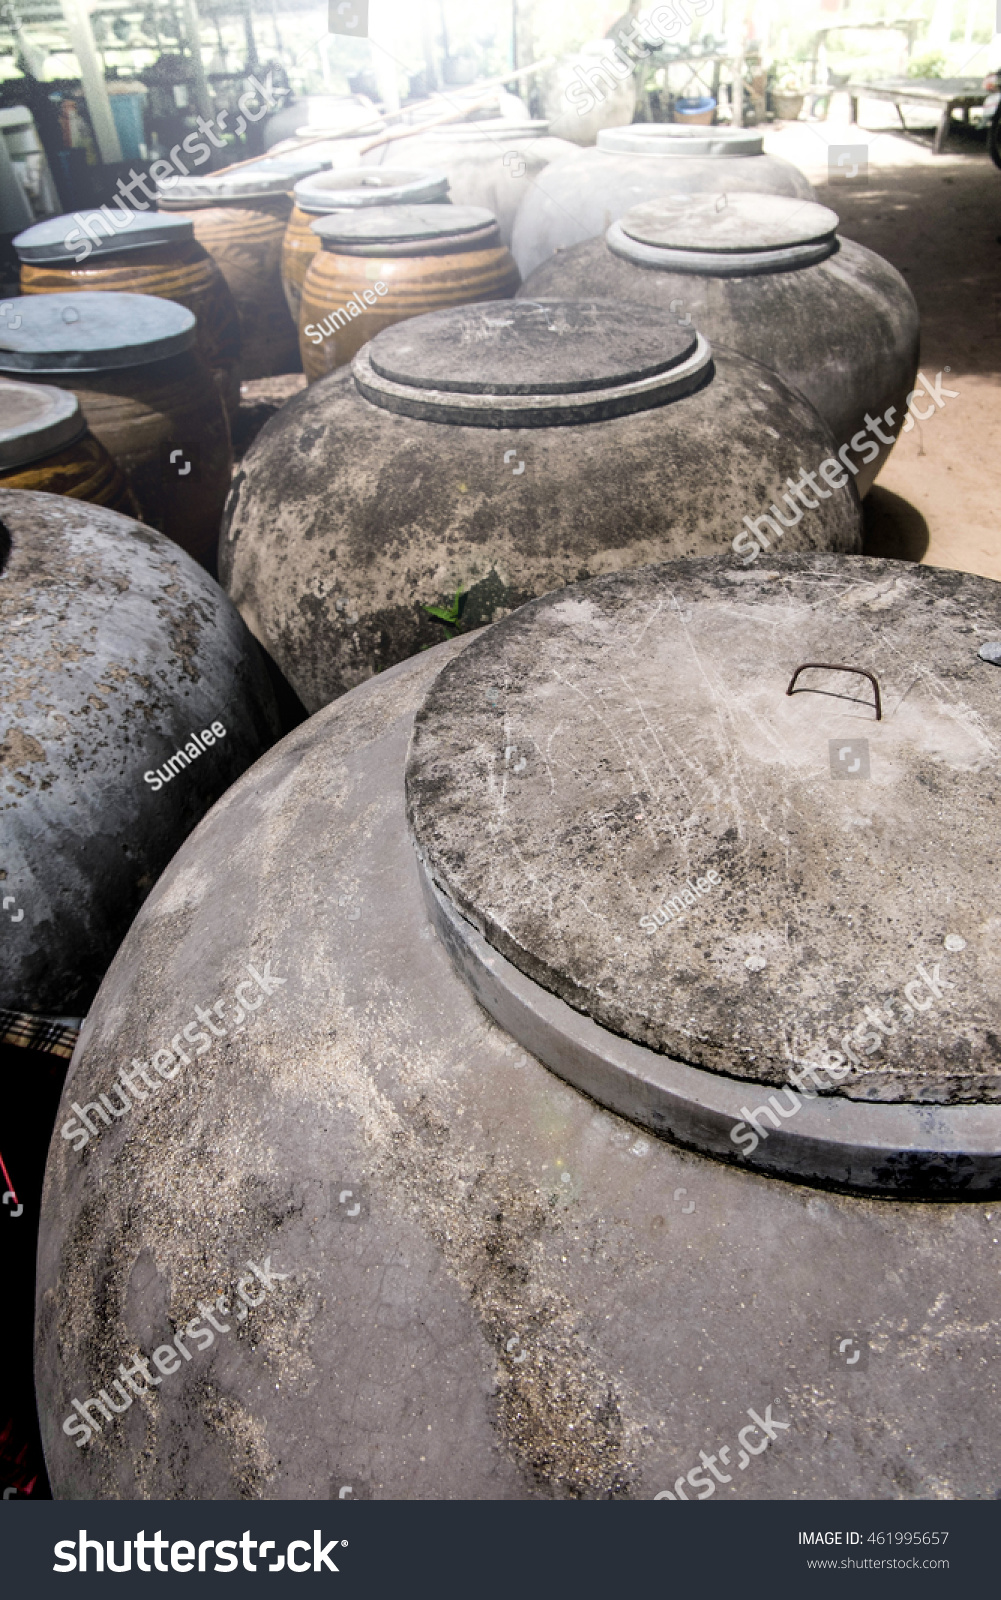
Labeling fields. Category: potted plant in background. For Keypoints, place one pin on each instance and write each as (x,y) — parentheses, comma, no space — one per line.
(786,91)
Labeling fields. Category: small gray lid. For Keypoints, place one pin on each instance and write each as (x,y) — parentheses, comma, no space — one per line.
(36,420)
(666,139)
(271,177)
(61,238)
(358,187)
(415,225)
(89,332)
(725,234)
(530,364)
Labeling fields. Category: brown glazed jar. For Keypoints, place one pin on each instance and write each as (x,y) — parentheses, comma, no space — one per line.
(354,189)
(240,218)
(383,266)
(152,254)
(145,392)
(45,445)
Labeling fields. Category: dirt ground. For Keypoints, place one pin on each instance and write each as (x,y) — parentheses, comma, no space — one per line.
(938,219)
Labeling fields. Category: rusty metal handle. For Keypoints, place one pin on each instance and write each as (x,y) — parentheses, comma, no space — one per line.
(830,666)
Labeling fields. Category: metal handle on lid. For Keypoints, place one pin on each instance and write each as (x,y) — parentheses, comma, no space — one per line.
(830,666)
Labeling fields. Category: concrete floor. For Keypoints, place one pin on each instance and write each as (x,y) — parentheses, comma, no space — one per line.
(938,220)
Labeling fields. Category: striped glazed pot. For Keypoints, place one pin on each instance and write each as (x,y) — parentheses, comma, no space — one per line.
(350,189)
(83,470)
(395,262)
(244,239)
(182,271)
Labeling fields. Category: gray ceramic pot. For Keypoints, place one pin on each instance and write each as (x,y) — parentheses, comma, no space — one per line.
(497,451)
(118,656)
(580,197)
(768,276)
(398,1256)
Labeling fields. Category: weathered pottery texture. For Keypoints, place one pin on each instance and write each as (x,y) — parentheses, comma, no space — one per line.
(482,1283)
(770,277)
(501,451)
(116,649)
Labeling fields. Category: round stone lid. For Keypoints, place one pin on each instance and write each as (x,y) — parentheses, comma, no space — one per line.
(666,139)
(86,332)
(62,238)
(388,225)
(616,788)
(725,233)
(35,421)
(274,177)
(358,187)
(528,363)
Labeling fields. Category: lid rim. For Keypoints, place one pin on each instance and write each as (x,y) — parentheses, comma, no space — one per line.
(56,250)
(367,226)
(889,1148)
(24,442)
(662,139)
(718,263)
(498,409)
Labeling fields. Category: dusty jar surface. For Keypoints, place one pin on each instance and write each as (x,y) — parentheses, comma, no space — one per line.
(475,457)
(609,1305)
(116,652)
(767,275)
(379,267)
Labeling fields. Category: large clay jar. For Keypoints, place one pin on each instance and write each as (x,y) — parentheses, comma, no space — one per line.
(494,163)
(117,653)
(133,363)
(768,276)
(153,254)
(456,1213)
(346,190)
(581,197)
(380,266)
(240,218)
(496,452)
(45,444)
